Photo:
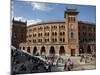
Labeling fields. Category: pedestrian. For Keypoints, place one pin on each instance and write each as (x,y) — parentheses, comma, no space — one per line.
(69,68)
(65,66)
(69,60)
(72,65)
(57,63)
(69,65)
(86,59)
(49,65)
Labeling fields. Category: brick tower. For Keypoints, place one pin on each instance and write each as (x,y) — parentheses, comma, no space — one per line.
(71,22)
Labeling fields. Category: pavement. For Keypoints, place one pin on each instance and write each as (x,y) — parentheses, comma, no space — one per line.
(24,63)
(88,66)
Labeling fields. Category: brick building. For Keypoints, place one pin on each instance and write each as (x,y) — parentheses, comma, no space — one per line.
(18,32)
(68,38)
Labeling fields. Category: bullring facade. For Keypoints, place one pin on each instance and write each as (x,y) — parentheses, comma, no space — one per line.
(68,38)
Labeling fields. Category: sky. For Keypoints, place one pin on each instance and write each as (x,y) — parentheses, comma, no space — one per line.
(35,12)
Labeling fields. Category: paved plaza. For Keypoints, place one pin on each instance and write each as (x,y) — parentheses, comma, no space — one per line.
(24,63)
(76,68)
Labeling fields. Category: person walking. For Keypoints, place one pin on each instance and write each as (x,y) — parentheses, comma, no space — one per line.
(49,65)
(65,66)
(69,64)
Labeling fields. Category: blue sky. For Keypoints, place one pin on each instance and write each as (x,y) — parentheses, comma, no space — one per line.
(38,12)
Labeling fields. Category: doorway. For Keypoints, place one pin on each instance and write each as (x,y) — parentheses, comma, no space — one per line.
(72,52)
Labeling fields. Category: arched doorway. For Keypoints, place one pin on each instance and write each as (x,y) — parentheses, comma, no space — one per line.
(28,49)
(62,51)
(61,54)
(43,50)
(34,50)
(52,53)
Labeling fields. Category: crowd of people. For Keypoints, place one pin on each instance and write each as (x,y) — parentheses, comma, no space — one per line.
(87,58)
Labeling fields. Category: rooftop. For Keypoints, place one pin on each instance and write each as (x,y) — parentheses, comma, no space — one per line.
(57,22)
(19,21)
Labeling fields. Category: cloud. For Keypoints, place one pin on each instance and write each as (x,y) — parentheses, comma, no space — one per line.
(29,22)
(41,6)
(19,18)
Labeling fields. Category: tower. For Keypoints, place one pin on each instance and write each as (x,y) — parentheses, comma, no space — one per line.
(18,32)
(71,22)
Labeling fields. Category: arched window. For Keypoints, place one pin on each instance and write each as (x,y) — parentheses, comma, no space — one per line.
(48,33)
(34,50)
(63,33)
(60,33)
(55,39)
(71,27)
(55,33)
(71,34)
